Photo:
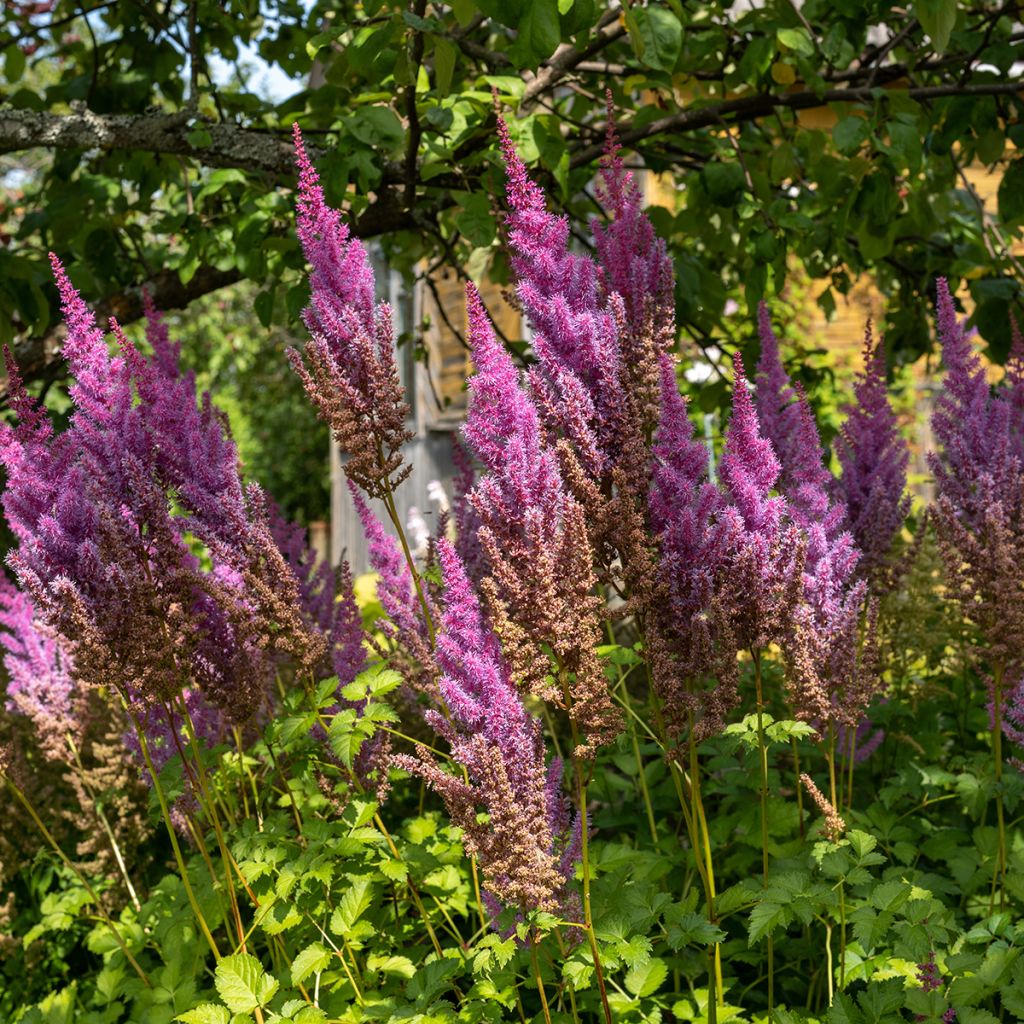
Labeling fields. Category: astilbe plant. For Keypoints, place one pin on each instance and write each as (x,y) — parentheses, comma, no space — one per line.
(349,370)
(600,331)
(874,459)
(40,673)
(833,674)
(979,519)
(527,847)
(106,515)
(540,584)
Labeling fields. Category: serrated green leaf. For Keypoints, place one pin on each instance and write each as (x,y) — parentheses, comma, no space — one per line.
(312,960)
(398,966)
(765,918)
(242,983)
(353,904)
(205,1013)
(646,979)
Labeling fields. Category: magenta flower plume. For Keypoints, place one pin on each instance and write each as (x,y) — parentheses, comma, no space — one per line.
(467,524)
(787,422)
(534,536)
(40,672)
(633,261)
(683,511)
(578,375)
(405,627)
(759,556)
(749,467)
(970,423)
(349,370)
(527,848)
(106,514)
(776,399)
(1013,388)
(979,512)
(874,458)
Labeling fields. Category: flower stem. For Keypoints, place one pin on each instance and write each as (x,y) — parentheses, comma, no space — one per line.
(538,979)
(48,836)
(175,845)
(999,876)
(763,757)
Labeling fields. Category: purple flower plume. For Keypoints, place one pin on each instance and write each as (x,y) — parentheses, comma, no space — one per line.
(467,524)
(349,369)
(874,458)
(106,514)
(534,536)
(786,421)
(979,512)
(40,669)
(633,261)
(528,848)
(577,378)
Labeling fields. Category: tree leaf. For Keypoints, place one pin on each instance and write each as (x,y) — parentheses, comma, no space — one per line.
(444,65)
(1011,192)
(657,36)
(243,984)
(937,18)
(539,33)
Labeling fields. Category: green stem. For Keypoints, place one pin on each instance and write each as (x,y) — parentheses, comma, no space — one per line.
(763,757)
(389,504)
(538,979)
(799,785)
(588,919)
(842,935)
(93,895)
(212,813)
(642,776)
(175,846)
(700,820)
(999,876)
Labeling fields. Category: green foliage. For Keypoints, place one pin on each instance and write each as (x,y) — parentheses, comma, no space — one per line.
(399,98)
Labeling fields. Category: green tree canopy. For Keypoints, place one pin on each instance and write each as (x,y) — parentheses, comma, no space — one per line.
(140,146)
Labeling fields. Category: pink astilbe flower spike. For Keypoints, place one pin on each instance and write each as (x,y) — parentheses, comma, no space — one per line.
(106,513)
(775,400)
(349,370)
(40,672)
(633,261)
(405,626)
(979,513)
(970,422)
(758,582)
(578,373)
(527,847)
(467,524)
(540,586)
(782,411)
(874,458)
(683,512)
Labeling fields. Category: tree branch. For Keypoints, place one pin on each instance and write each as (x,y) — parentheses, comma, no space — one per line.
(39,356)
(750,108)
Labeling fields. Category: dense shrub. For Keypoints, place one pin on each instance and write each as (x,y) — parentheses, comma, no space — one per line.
(638,739)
